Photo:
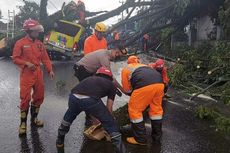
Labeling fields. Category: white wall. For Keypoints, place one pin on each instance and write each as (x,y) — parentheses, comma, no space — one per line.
(204,27)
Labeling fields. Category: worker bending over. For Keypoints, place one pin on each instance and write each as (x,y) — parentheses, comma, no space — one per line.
(86,96)
(146,88)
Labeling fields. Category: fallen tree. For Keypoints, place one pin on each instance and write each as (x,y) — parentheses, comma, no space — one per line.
(159,14)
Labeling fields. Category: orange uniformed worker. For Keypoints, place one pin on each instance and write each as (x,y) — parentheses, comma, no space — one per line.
(96,41)
(146,88)
(28,54)
(159,65)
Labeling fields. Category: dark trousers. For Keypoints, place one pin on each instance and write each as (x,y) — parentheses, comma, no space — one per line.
(92,106)
(81,73)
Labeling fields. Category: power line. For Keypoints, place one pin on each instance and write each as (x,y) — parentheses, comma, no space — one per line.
(38,2)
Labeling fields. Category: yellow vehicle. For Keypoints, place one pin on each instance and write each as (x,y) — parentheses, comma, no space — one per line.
(64,38)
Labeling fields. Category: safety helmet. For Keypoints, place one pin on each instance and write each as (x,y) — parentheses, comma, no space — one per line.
(160,63)
(101,27)
(104,70)
(32,25)
(133,59)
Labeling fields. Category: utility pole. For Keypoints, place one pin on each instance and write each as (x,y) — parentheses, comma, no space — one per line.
(122,15)
(11,24)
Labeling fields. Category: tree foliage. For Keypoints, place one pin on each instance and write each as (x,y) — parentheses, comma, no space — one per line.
(224,17)
(29,9)
(157,14)
(181,6)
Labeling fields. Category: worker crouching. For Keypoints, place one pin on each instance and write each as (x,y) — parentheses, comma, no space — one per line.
(86,96)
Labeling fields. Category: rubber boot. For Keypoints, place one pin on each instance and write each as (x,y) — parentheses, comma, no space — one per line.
(22,127)
(126,130)
(34,114)
(117,142)
(88,120)
(139,132)
(62,131)
(156,130)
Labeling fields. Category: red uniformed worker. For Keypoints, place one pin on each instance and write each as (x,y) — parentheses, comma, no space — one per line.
(159,65)
(28,54)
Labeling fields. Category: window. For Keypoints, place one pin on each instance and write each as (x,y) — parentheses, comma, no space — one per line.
(68,29)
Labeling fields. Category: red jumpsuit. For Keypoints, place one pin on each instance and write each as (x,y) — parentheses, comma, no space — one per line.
(27,50)
(163,73)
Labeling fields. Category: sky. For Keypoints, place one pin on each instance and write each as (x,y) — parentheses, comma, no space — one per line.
(54,5)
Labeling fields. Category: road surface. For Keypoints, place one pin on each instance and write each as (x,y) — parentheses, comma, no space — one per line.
(182,132)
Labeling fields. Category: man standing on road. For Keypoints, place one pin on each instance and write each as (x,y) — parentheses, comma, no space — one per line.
(96,41)
(86,96)
(28,54)
(146,88)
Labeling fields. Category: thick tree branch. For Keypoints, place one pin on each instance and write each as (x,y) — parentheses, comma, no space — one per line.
(117,11)
(143,15)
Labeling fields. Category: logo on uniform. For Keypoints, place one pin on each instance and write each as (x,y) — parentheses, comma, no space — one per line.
(26,46)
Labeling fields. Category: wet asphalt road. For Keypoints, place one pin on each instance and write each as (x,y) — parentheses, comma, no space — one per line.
(182,132)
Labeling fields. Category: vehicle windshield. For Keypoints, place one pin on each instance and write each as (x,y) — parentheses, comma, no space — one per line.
(68,29)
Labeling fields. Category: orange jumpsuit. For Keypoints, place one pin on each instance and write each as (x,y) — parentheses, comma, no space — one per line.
(92,44)
(163,73)
(149,92)
(27,50)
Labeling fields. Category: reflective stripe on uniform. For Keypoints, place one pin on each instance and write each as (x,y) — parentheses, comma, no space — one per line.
(157,117)
(113,136)
(65,123)
(137,120)
(79,96)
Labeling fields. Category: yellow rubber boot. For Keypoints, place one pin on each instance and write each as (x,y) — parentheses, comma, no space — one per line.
(132,140)
(38,123)
(34,120)
(22,127)
(60,142)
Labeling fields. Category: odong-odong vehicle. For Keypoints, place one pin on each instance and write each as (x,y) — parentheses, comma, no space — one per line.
(63,40)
